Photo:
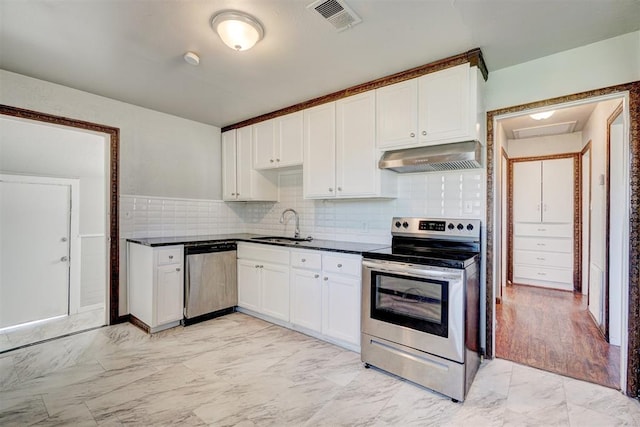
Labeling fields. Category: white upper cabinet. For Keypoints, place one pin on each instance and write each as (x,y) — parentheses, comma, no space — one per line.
(527,191)
(240,182)
(277,143)
(436,108)
(340,153)
(319,170)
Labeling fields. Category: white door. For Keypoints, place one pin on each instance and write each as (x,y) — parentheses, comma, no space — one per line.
(289,139)
(229,165)
(586,219)
(557,190)
(527,191)
(249,285)
(244,168)
(306,299)
(275,291)
(263,143)
(34,251)
(341,308)
(397,114)
(356,156)
(169,293)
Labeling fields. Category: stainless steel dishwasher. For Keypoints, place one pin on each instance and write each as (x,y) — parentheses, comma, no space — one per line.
(210,281)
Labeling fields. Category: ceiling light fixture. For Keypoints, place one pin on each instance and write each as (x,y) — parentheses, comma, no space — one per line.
(237,30)
(543,115)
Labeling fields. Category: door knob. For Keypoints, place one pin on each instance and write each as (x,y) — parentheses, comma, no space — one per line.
(64,259)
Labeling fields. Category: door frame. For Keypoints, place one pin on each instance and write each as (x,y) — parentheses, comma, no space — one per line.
(113,135)
(577,214)
(73,303)
(586,261)
(630,378)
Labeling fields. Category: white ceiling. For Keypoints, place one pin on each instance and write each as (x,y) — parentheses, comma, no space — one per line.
(131,50)
(578,113)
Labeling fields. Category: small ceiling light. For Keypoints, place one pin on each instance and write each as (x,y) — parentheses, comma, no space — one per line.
(237,30)
(543,115)
(191,58)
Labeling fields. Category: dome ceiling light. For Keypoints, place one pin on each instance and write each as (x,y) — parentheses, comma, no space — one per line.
(237,30)
(542,116)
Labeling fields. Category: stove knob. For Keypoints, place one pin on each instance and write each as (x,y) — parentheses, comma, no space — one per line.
(460,226)
(450,226)
(405,224)
(398,224)
(469,227)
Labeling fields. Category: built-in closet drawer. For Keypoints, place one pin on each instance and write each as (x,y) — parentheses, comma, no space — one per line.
(543,230)
(543,259)
(543,244)
(547,274)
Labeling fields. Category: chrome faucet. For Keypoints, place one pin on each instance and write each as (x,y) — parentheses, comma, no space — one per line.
(296,233)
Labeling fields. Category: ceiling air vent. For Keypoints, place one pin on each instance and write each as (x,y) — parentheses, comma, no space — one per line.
(545,130)
(337,13)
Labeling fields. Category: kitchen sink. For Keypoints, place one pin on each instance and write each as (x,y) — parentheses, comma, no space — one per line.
(282,239)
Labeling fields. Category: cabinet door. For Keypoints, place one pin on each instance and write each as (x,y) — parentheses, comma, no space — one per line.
(306,299)
(244,163)
(397,114)
(169,290)
(443,105)
(249,285)
(320,151)
(356,156)
(263,145)
(288,149)
(275,290)
(557,190)
(341,307)
(527,191)
(229,165)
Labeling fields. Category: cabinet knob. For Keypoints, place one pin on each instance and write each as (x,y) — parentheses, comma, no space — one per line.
(271,160)
(238,194)
(64,259)
(412,134)
(339,188)
(424,132)
(64,239)
(257,266)
(233,194)
(277,160)
(178,269)
(315,276)
(326,278)
(303,260)
(339,265)
(170,256)
(330,190)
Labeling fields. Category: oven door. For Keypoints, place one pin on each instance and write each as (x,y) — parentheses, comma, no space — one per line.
(414,305)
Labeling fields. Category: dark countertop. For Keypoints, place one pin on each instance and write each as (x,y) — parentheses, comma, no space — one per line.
(317,244)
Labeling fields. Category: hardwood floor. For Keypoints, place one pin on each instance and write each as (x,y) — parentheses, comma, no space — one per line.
(552,330)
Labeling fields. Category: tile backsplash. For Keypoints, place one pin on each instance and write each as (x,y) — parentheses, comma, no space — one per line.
(431,194)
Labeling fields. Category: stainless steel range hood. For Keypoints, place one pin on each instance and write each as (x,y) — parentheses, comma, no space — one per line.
(461,155)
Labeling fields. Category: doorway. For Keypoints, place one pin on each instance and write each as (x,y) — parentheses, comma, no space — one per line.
(546,325)
(79,160)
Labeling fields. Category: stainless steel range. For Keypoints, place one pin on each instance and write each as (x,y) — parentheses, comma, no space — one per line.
(421,304)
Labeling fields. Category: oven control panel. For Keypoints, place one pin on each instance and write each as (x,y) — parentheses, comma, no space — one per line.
(440,228)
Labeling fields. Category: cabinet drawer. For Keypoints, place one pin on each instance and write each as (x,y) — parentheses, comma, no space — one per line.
(342,264)
(264,253)
(543,259)
(543,244)
(307,260)
(170,255)
(543,230)
(562,275)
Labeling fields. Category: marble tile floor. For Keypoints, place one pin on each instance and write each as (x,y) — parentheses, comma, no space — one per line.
(240,371)
(29,334)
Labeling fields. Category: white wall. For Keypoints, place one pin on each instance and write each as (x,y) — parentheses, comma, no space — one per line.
(160,154)
(545,145)
(602,64)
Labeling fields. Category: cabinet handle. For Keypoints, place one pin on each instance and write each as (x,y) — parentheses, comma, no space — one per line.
(238,194)
(542,229)
(178,269)
(277,160)
(542,274)
(339,188)
(262,266)
(170,256)
(424,132)
(412,134)
(326,278)
(330,190)
(303,260)
(541,244)
(233,194)
(339,265)
(257,266)
(315,276)
(64,259)
(271,160)
(540,259)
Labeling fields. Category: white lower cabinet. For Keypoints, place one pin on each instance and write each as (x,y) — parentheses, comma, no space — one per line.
(315,292)
(263,280)
(156,285)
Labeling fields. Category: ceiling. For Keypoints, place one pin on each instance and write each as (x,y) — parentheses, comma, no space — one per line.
(553,125)
(132,50)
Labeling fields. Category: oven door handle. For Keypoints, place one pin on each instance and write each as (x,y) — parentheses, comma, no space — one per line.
(409,270)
